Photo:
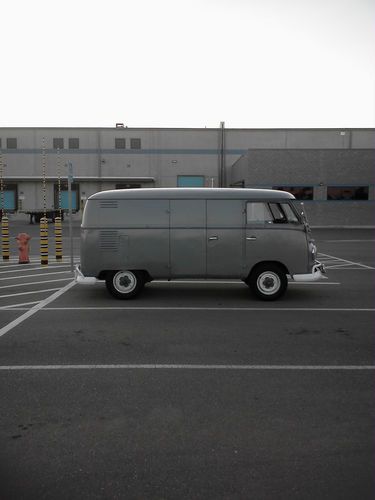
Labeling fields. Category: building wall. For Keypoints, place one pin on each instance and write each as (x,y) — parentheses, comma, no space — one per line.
(319,169)
(252,157)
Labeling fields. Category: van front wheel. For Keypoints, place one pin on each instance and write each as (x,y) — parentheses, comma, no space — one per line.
(268,282)
(124,284)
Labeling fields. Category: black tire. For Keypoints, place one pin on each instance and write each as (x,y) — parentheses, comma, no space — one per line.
(268,281)
(124,284)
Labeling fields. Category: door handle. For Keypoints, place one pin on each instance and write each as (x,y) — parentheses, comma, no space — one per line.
(251,238)
(212,238)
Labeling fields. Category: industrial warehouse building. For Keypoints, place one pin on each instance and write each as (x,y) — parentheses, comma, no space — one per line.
(331,170)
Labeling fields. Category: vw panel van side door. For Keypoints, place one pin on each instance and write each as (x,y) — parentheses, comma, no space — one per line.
(225,238)
(188,238)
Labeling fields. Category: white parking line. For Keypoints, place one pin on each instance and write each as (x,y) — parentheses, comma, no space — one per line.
(33,275)
(312,283)
(338,266)
(20,307)
(46,268)
(188,367)
(349,241)
(328,259)
(35,283)
(234,309)
(238,282)
(35,261)
(28,293)
(35,309)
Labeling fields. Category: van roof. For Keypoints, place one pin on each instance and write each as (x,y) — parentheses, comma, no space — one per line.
(191,193)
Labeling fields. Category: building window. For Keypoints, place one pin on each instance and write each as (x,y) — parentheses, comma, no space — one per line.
(73,143)
(129,185)
(190,181)
(120,143)
(11,143)
(135,143)
(299,192)
(58,143)
(347,192)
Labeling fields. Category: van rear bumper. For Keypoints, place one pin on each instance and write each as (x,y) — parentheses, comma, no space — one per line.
(80,279)
(315,275)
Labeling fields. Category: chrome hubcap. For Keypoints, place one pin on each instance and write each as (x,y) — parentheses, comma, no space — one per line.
(124,281)
(268,283)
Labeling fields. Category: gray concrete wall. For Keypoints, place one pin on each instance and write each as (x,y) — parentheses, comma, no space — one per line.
(308,166)
(318,168)
(341,213)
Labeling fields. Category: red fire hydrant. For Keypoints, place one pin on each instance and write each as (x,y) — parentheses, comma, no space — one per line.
(23,248)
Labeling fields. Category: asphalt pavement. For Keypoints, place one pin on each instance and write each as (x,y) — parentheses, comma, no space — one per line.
(191,390)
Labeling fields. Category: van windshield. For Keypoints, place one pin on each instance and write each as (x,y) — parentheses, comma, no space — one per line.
(300,208)
(290,213)
(271,213)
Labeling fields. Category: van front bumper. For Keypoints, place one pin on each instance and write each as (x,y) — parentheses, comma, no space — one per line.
(80,279)
(315,275)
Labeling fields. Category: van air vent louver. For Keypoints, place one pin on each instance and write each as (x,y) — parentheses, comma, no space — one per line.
(108,241)
(108,204)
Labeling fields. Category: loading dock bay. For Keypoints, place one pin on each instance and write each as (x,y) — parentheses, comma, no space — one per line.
(189,391)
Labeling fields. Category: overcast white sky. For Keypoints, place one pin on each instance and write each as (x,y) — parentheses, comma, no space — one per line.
(188,63)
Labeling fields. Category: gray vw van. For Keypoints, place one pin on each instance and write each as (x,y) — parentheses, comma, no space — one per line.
(132,236)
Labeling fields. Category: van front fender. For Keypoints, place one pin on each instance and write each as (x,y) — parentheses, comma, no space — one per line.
(267,262)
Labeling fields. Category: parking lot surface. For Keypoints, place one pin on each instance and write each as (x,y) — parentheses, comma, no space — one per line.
(191,390)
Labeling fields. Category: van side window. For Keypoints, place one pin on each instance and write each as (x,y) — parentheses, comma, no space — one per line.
(258,213)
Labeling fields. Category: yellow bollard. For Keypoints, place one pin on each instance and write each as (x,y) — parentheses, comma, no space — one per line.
(58,238)
(5,237)
(44,241)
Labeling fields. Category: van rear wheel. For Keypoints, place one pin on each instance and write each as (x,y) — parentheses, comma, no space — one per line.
(124,284)
(268,281)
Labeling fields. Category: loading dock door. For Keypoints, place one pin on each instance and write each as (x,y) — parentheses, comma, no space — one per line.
(9,200)
(188,238)
(65,199)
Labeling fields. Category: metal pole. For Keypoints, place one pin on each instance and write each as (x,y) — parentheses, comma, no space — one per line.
(222,155)
(59,182)
(44,177)
(100,161)
(70,178)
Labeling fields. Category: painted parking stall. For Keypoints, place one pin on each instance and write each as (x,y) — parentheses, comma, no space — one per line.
(192,389)
(26,285)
